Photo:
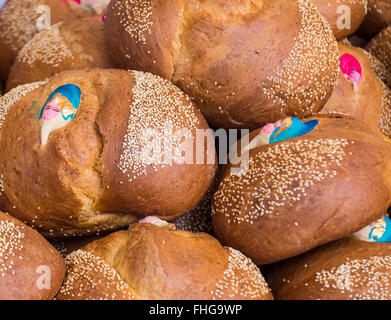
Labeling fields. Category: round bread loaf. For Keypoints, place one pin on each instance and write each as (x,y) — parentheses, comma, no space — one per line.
(148,262)
(21,19)
(347,269)
(380,47)
(30,268)
(378,18)
(360,93)
(88,151)
(245,63)
(305,191)
(73,45)
(344,16)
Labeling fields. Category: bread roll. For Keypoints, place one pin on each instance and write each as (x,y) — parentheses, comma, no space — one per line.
(21,19)
(380,47)
(245,63)
(344,16)
(77,44)
(155,263)
(360,93)
(378,18)
(305,191)
(100,162)
(347,269)
(30,268)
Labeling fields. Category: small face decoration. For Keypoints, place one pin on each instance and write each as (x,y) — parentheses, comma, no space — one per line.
(351,69)
(59,109)
(378,231)
(94,6)
(281,130)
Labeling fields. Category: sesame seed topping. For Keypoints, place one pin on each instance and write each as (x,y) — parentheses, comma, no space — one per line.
(283,173)
(385,118)
(20,19)
(82,270)
(158,111)
(47,46)
(135,18)
(242,278)
(8,100)
(372,274)
(11,237)
(314,52)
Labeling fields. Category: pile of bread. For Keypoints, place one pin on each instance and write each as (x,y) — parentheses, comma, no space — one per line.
(94,206)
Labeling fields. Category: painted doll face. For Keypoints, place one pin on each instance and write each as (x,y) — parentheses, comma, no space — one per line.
(60,108)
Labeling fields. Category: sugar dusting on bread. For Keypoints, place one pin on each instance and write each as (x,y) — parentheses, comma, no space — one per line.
(158,111)
(372,273)
(11,237)
(84,267)
(314,52)
(242,278)
(47,46)
(283,173)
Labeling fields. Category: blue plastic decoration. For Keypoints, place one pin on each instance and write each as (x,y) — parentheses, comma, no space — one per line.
(296,129)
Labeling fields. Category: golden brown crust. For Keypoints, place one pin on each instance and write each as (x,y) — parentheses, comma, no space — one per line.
(368,101)
(91,175)
(201,52)
(378,18)
(347,269)
(333,10)
(18,24)
(305,191)
(77,44)
(30,268)
(380,47)
(158,263)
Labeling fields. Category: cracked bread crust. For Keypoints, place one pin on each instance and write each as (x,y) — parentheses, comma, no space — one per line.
(71,45)
(18,24)
(73,185)
(306,191)
(199,45)
(158,263)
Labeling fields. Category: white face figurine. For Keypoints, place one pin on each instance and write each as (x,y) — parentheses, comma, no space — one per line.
(60,108)
(94,6)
